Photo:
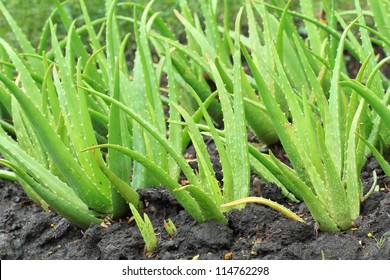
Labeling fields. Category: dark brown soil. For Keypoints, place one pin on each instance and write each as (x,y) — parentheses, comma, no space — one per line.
(257,232)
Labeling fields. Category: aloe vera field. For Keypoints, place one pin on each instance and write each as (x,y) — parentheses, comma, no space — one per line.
(216,129)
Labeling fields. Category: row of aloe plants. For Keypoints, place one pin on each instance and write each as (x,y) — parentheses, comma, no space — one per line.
(87,131)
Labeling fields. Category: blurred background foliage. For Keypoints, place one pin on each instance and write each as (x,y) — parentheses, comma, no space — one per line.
(32,14)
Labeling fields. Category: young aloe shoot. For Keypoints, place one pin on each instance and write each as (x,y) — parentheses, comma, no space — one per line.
(170,227)
(146,228)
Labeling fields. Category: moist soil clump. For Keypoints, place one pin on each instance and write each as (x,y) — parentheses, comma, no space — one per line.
(256,232)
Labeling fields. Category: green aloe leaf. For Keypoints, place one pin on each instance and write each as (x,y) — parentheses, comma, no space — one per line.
(380,107)
(175,130)
(118,133)
(8,175)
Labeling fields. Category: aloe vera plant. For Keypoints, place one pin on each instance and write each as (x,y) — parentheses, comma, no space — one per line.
(55,119)
(203,198)
(320,141)
(52,124)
